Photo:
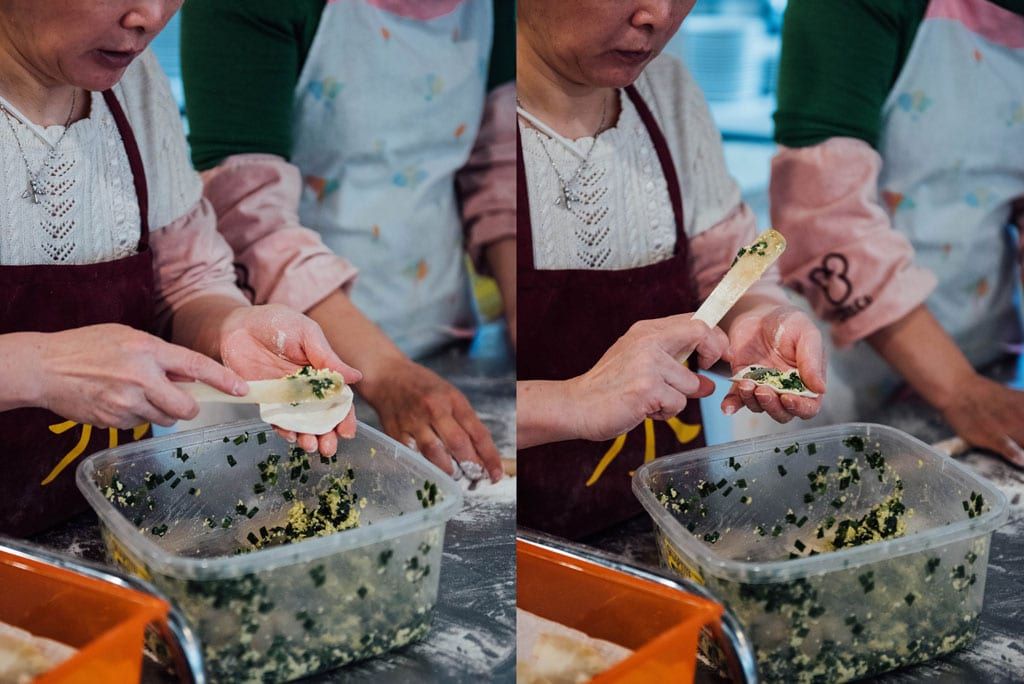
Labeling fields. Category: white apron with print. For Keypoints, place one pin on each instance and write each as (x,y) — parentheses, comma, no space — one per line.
(952,145)
(386,111)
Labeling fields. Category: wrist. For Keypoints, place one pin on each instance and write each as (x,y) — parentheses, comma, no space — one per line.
(570,414)
(378,372)
(23,368)
(945,391)
(547,412)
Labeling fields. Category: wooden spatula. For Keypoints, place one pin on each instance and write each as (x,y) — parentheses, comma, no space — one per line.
(750,264)
(297,389)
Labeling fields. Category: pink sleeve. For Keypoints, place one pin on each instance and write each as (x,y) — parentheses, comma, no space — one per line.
(487,183)
(713,251)
(856,271)
(256,197)
(191,260)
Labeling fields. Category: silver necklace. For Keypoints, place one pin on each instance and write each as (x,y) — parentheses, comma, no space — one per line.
(569,194)
(35,188)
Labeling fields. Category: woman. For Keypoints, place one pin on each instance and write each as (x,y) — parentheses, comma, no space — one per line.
(106,239)
(627,216)
(329,128)
(899,171)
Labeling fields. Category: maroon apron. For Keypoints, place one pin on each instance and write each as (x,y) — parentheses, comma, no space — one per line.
(41,449)
(569,319)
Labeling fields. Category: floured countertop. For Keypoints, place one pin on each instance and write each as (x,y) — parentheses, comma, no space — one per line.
(472,635)
(997,655)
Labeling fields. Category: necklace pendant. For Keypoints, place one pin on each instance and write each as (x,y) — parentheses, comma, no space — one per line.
(33,192)
(568,197)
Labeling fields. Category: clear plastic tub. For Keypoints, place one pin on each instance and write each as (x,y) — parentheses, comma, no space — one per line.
(282,611)
(733,516)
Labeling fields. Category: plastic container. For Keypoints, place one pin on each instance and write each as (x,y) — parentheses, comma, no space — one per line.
(105,623)
(284,611)
(845,613)
(661,625)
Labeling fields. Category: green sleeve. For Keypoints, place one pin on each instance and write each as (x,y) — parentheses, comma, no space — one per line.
(240,62)
(503,52)
(840,59)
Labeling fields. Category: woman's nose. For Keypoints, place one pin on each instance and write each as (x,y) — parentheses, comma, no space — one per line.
(657,15)
(149,16)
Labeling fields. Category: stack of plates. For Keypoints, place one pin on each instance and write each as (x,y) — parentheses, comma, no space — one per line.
(726,55)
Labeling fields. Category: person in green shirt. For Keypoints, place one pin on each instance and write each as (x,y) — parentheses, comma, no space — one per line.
(337,138)
(899,173)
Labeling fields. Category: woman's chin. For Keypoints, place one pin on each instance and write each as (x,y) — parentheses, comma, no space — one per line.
(95,77)
(616,75)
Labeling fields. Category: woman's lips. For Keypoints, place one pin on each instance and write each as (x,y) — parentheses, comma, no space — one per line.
(115,59)
(632,57)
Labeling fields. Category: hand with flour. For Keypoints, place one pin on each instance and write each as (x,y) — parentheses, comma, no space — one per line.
(420,408)
(782,337)
(639,377)
(270,342)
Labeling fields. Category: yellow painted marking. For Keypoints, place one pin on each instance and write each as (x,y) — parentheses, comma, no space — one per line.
(607,459)
(83,442)
(648,440)
(685,432)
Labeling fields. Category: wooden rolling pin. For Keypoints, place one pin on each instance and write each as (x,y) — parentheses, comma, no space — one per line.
(952,447)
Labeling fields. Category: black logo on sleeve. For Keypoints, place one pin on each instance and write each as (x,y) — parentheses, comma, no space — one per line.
(242,281)
(831,278)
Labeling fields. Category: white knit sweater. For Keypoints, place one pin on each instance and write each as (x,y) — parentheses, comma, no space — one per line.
(90,213)
(624,217)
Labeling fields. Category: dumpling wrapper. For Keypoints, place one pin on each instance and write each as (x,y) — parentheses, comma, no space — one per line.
(314,417)
(24,656)
(803,393)
(548,652)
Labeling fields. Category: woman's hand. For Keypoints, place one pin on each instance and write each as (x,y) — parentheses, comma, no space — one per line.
(778,337)
(988,415)
(115,376)
(272,341)
(416,406)
(640,377)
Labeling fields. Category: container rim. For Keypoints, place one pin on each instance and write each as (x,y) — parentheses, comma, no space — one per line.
(760,572)
(160,560)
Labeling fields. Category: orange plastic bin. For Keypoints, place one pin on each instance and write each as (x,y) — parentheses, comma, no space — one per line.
(104,622)
(660,624)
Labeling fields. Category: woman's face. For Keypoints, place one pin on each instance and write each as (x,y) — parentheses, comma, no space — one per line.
(605,43)
(85,43)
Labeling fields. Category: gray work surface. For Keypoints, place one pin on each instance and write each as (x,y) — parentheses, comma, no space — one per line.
(997,656)
(472,637)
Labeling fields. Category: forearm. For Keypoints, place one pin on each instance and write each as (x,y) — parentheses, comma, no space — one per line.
(856,271)
(936,374)
(199,323)
(358,341)
(544,413)
(20,370)
(486,184)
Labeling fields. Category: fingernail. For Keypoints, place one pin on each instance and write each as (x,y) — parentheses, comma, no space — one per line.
(456,470)
(729,410)
(240,388)
(472,470)
(359,375)
(497,474)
